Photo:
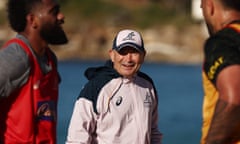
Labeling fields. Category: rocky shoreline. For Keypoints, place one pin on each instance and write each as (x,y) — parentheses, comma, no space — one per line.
(163,44)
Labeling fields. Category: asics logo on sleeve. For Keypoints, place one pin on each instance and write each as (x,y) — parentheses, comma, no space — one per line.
(119,100)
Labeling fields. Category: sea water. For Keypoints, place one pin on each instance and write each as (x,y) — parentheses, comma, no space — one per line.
(180,98)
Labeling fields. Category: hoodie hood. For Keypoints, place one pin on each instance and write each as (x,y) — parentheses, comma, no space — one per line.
(106,70)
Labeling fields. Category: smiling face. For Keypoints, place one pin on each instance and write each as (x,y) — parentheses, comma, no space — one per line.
(127,61)
(50,21)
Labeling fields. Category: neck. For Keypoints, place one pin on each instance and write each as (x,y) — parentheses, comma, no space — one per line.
(38,45)
(230,17)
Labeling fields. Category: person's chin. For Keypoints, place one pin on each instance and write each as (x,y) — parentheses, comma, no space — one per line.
(58,39)
(127,74)
(55,36)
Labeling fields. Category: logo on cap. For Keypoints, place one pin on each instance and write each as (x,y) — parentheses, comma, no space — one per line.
(129,36)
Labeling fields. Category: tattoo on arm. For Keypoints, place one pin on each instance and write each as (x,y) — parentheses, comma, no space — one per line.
(225,125)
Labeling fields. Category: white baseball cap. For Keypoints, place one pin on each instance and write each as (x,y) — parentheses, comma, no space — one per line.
(128,38)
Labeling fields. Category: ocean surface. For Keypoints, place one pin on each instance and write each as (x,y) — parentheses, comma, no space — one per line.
(180,98)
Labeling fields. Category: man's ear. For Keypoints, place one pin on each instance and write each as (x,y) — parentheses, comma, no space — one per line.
(143,57)
(32,20)
(111,54)
(211,6)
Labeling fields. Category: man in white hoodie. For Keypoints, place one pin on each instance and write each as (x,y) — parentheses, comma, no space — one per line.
(119,104)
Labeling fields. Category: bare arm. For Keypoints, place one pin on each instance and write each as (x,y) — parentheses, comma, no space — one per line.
(225,126)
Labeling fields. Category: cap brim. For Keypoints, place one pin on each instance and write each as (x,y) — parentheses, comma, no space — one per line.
(119,48)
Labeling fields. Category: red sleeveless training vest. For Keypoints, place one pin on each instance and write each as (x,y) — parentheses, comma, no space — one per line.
(29,114)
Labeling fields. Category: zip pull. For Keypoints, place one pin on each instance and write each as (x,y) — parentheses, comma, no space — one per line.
(113,94)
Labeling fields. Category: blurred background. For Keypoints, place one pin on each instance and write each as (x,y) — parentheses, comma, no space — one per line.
(173,30)
(174,34)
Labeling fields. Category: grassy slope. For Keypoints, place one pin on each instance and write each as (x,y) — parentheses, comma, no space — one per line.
(141,15)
